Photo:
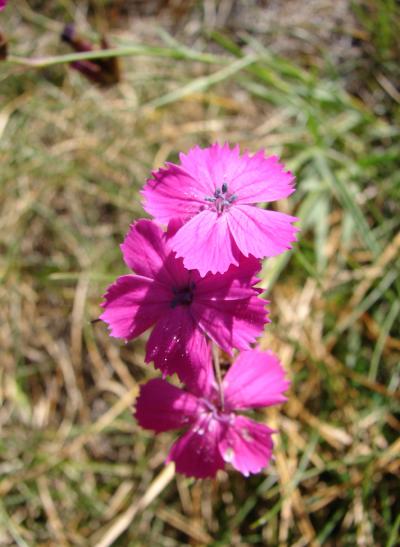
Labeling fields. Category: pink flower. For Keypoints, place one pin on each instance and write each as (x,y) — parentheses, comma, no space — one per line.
(214,191)
(182,306)
(3,4)
(215,433)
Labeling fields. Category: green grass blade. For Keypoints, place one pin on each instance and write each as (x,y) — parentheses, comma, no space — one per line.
(203,83)
(386,327)
(347,198)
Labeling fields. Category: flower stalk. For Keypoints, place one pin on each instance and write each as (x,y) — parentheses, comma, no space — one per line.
(218,375)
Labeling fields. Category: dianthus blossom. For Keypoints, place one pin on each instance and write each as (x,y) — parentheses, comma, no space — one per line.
(215,433)
(214,191)
(3,4)
(182,307)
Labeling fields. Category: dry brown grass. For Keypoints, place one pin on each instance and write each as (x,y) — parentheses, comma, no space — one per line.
(75,469)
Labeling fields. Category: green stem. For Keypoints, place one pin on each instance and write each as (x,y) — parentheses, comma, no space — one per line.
(126,51)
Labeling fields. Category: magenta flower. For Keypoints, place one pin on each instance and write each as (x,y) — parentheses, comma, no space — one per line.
(215,433)
(214,191)
(3,4)
(182,306)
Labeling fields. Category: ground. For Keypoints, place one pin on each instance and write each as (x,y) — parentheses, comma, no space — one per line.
(318,85)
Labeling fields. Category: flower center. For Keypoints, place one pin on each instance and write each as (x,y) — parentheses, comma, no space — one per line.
(215,411)
(183,296)
(221,200)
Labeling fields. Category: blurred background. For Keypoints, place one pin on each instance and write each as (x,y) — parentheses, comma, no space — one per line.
(315,82)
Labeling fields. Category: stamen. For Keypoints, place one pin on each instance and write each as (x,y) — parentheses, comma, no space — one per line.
(221,198)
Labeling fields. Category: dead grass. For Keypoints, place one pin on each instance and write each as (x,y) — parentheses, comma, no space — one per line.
(74,467)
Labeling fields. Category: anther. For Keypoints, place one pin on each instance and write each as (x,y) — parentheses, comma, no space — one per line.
(224,188)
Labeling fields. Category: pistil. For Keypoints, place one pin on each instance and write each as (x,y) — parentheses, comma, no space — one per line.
(183,296)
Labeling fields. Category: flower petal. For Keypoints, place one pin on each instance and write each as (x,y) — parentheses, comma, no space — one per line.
(176,345)
(173,193)
(198,376)
(262,179)
(256,379)
(132,304)
(213,166)
(236,283)
(259,232)
(205,244)
(147,252)
(161,406)
(247,445)
(232,323)
(196,453)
